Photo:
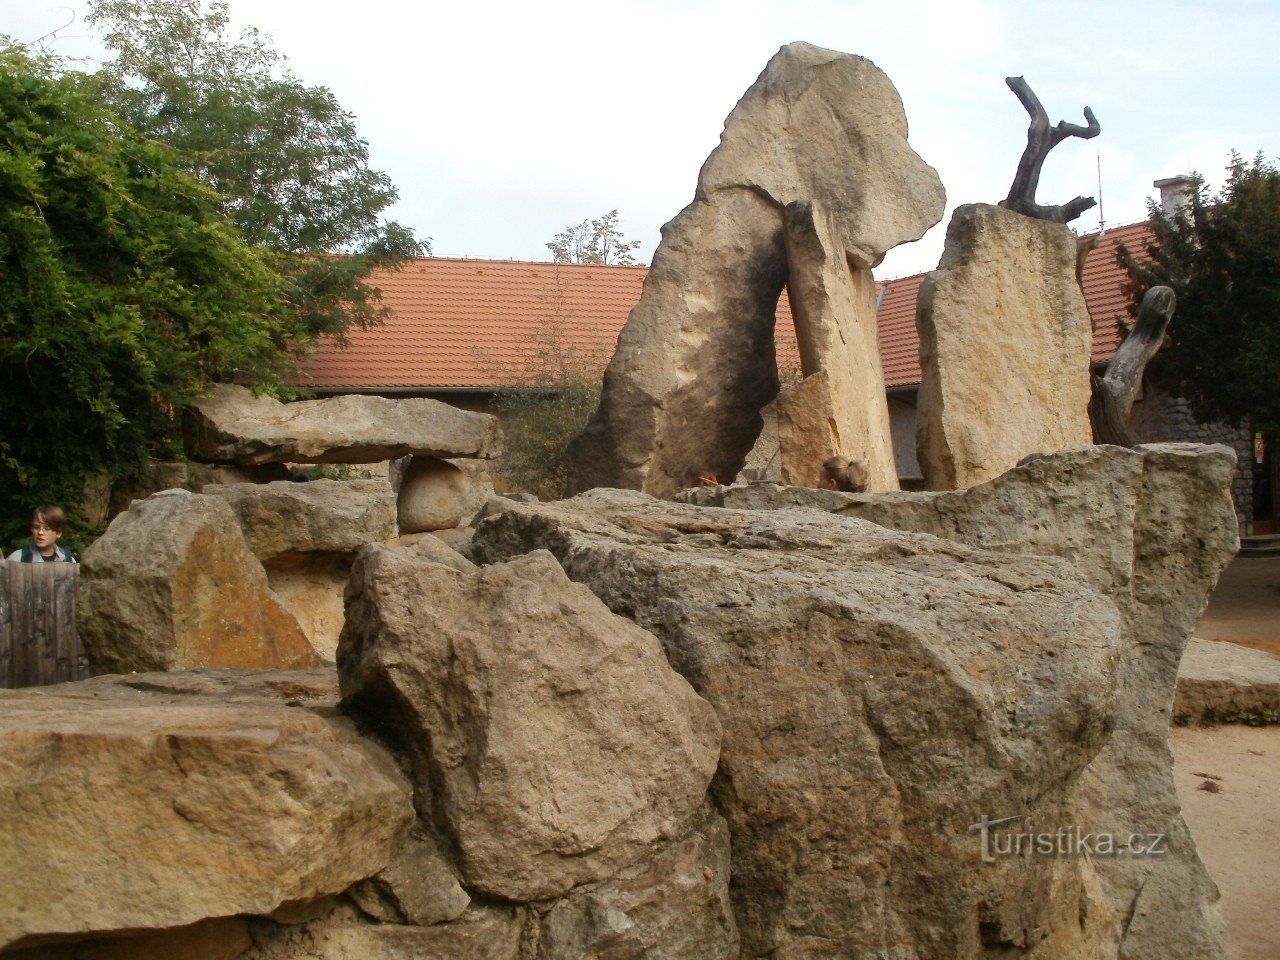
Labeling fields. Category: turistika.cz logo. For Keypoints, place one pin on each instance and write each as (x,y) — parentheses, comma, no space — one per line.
(1070,841)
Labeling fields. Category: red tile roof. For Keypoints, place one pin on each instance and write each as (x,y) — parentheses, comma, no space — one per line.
(472,324)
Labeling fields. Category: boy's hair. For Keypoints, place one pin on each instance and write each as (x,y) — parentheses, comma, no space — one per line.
(52,516)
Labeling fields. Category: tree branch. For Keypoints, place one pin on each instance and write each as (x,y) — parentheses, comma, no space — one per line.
(1113,395)
(1041,138)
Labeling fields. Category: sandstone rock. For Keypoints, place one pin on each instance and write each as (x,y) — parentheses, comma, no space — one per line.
(695,362)
(231,425)
(419,887)
(323,516)
(482,933)
(834,307)
(881,692)
(674,905)
(172,585)
(1152,528)
(168,475)
(557,742)
(159,800)
(1221,682)
(1005,348)
(440,494)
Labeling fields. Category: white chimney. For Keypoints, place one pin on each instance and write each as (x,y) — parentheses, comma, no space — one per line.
(1175,195)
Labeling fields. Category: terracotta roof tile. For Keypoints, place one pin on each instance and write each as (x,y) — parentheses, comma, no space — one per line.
(475,323)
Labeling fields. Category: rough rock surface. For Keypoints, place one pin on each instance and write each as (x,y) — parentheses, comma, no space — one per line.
(172,585)
(419,887)
(323,516)
(223,938)
(1153,529)
(231,425)
(695,363)
(1221,682)
(881,692)
(167,474)
(1005,348)
(674,906)
(441,494)
(159,800)
(482,933)
(554,740)
(834,306)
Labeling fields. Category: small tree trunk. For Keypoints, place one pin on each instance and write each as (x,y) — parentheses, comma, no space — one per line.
(1113,395)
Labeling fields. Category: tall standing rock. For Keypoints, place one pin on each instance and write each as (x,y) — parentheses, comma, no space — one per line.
(840,408)
(1005,346)
(695,363)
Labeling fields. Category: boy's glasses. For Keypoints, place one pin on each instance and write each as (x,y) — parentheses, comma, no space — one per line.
(40,528)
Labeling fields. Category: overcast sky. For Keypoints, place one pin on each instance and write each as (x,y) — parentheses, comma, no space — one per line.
(502,122)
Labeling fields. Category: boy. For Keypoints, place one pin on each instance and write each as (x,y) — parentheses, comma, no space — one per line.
(48,524)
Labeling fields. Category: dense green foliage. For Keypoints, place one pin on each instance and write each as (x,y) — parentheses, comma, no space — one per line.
(1221,256)
(123,290)
(594,241)
(286,157)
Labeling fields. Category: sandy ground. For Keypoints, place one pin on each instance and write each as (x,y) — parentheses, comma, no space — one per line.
(1237,827)
(1245,607)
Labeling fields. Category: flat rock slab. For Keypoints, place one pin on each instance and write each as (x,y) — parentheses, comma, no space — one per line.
(159,800)
(1221,682)
(231,425)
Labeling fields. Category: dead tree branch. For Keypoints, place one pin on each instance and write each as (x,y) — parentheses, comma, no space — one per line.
(1113,395)
(1041,138)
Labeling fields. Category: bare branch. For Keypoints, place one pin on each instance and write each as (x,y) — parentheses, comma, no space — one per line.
(1113,395)
(1041,138)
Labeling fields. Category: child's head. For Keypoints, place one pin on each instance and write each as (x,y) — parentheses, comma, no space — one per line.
(49,515)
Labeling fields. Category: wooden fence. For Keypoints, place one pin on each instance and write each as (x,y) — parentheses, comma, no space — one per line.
(38,640)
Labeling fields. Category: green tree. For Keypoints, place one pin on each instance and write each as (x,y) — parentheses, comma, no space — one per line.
(123,291)
(1221,256)
(594,241)
(286,157)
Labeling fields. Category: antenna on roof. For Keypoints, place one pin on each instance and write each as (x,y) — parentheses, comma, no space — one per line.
(1102,220)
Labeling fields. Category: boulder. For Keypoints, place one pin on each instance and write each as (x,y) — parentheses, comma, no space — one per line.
(441,494)
(160,800)
(419,887)
(173,585)
(695,362)
(549,737)
(1153,529)
(160,475)
(673,906)
(841,407)
(322,516)
(231,425)
(1005,347)
(482,933)
(882,694)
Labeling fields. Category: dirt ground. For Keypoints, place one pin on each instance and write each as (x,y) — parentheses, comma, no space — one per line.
(1245,607)
(1237,826)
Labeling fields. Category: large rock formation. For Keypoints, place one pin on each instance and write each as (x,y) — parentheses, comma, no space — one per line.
(695,362)
(231,425)
(840,408)
(881,693)
(1005,347)
(1152,529)
(159,800)
(551,740)
(173,585)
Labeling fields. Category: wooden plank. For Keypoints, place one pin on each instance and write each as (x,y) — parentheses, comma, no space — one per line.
(6,629)
(40,624)
(23,625)
(71,661)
